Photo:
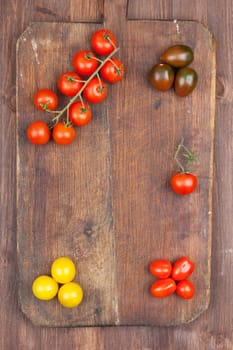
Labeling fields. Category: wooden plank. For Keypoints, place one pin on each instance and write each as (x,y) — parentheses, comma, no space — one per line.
(113,180)
(64,194)
(150,220)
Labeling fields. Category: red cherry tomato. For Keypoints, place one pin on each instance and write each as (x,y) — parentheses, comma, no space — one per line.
(69,83)
(85,62)
(63,134)
(95,91)
(163,288)
(38,133)
(80,113)
(112,71)
(103,42)
(182,269)
(185,289)
(45,99)
(161,268)
(183,183)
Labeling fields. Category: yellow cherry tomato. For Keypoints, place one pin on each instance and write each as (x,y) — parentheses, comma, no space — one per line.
(70,294)
(44,287)
(63,270)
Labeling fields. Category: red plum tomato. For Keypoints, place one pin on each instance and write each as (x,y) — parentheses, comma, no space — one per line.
(163,288)
(182,268)
(161,268)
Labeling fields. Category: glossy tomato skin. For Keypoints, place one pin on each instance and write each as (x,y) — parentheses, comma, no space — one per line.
(44,287)
(63,270)
(63,134)
(178,56)
(69,83)
(182,268)
(95,91)
(185,289)
(163,288)
(185,81)
(162,76)
(113,71)
(38,133)
(45,99)
(183,183)
(70,295)
(103,42)
(160,268)
(85,62)
(80,113)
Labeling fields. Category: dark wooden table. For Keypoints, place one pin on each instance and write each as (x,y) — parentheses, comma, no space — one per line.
(214,328)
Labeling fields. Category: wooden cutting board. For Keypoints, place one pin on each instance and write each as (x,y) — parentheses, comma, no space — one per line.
(105,200)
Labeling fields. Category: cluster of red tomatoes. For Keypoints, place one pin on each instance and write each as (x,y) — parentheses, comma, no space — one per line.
(86,84)
(172,278)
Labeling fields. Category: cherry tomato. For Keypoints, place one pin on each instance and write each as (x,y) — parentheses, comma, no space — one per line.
(185,81)
(85,62)
(178,56)
(44,287)
(112,71)
(95,91)
(183,183)
(38,133)
(63,270)
(103,42)
(185,289)
(80,113)
(163,288)
(63,134)
(161,268)
(45,99)
(70,295)
(182,269)
(69,83)
(162,76)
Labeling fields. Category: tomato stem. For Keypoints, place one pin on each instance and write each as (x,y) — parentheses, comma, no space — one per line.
(188,155)
(73,99)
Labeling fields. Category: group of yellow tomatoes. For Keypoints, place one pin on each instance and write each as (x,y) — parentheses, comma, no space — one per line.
(60,284)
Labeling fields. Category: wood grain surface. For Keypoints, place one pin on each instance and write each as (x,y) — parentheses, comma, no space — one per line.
(213,329)
(105,201)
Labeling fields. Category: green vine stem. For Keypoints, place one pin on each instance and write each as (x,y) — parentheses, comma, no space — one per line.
(73,99)
(188,155)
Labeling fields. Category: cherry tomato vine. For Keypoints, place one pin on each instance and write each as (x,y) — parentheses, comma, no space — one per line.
(85,85)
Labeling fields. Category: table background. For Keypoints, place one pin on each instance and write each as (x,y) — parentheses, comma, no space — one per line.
(214,328)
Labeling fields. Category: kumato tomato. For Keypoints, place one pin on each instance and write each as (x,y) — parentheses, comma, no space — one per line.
(185,289)
(182,268)
(163,288)
(63,270)
(161,268)
(45,99)
(178,56)
(44,287)
(185,81)
(162,76)
(38,133)
(103,42)
(70,295)
(183,183)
